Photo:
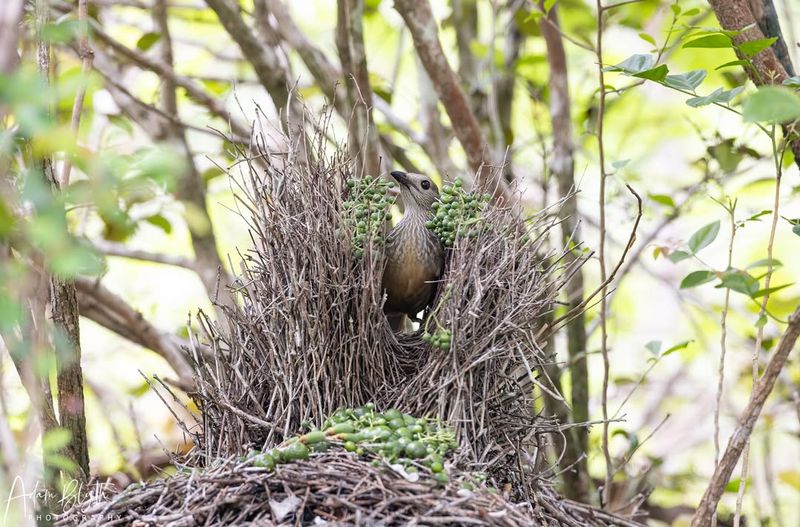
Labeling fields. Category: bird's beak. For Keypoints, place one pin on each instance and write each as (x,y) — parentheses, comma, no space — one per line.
(400,177)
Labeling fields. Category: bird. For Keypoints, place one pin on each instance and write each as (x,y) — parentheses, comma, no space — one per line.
(414,254)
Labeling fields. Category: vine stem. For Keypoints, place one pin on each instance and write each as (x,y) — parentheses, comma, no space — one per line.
(601,253)
(777,158)
(723,347)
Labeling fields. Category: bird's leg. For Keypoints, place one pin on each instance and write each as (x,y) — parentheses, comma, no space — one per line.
(396,321)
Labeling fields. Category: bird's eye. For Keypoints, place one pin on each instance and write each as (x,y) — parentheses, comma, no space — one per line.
(425,184)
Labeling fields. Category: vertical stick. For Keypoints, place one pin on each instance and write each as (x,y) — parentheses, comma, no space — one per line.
(601,253)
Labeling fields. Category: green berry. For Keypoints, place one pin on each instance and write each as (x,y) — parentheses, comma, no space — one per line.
(295,452)
(441,478)
(416,450)
(316,436)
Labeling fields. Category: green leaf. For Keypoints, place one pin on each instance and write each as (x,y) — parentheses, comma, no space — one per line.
(678,256)
(739,281)
(147,40)
(790,477)
(212,173)
(56,439)
(534,16)
(757,216)
(76,260)
(762,321)
(770,290)
(752,48)
(765,262)
(733,485)
(663,199)
(686,81)
(62,462)
(719,96)
(647,38)
(160,221)
(548,5)
(715,40)
(703,237)
(676,9)
(620,164)
(138,391)
(121,122)
(728,154)
(696,278)
(774,104)
(691,12)
(793,82)
(795,223)
(677,347)
(658,73)
(60,32)
(733,63)
(633,64)
(217,87)
(654,346)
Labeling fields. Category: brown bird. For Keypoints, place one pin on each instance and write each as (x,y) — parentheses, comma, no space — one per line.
(414,254)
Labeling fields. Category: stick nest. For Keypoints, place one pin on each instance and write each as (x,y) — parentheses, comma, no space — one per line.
(332,489)
(306,335)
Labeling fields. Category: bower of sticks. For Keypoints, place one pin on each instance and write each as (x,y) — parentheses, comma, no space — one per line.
(305,335)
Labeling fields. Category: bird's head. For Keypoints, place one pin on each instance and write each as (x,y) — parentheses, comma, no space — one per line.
(419,192)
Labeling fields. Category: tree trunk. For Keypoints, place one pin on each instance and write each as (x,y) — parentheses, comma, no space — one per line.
(576,480)
(772,65)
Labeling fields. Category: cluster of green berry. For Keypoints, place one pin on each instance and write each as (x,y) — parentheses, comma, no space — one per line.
(456,213)
(438,339)
(392,437)
(367,208)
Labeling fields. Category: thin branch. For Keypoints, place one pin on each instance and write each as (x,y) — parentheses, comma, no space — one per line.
(363,140)
(86,54)
(191,187)
(325,73)
(747,421)
(422,26)
(631,240)
(122,250)
(601,254)
(327,76)
(762,312)
(723,340)
(193,89)
(112,312)
(265,62)
(436,139)
(273,74)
